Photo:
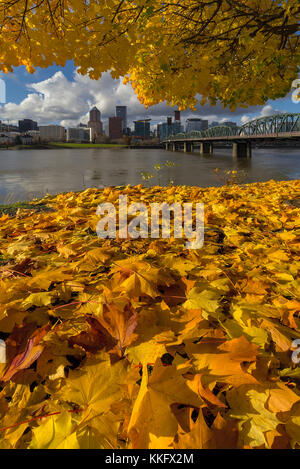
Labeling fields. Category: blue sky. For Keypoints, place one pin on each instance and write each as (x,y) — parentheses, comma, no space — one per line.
(16,82)
(60,95)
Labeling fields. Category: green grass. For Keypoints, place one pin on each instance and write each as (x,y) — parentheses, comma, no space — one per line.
(11,209)
(34,146)
(86,145)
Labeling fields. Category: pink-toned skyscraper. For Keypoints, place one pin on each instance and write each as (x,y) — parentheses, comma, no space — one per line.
(95,123)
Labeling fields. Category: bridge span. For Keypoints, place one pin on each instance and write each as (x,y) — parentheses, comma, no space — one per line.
(280,127)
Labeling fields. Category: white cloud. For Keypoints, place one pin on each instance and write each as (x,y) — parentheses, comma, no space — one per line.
(59,100)
(269,111)
(245,119)
(266,111)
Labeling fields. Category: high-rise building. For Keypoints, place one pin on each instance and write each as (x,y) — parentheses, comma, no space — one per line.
(196,123)
(164,130)
(121,111)
(177,115)
(27,124)
(115,127)
(204,124)
(95,114)
(95,123)
(142,128)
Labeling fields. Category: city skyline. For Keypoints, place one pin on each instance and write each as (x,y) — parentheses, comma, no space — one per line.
(59,95)
(117,125)
(120,110)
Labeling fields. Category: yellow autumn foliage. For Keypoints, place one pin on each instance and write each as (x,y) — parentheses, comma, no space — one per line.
(122,343)
(237,52)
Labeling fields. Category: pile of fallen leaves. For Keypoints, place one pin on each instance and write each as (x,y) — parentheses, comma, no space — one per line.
(142,343)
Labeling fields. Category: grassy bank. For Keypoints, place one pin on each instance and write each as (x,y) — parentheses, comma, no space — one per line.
(40,146)
(143,343)
(12,209)
(57,145)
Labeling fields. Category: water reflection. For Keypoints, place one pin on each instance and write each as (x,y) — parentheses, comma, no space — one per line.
(32,173)
(242,164)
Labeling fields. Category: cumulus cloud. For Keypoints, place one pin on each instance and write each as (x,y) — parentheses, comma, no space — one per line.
(266,111)
(245,118)
(59,100)
(269,111)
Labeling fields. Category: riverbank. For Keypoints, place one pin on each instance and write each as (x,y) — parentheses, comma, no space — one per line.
(12,209)
(58,145)
(28,174)
(205,332)
(86,145)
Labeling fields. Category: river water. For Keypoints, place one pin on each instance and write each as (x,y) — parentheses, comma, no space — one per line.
(25,174)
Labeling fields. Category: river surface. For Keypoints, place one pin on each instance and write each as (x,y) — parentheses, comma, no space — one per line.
(25,174)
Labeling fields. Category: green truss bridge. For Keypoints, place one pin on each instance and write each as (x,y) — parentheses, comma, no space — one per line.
(284,127)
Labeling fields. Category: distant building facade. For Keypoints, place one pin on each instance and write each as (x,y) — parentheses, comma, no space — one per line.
(79,134)
(196,123)
(121,111)
(229,124)
(7,138)
(142,128)
(54,133)
(115,127)
(26,139)
(95,123)
(27,124)
(35,134)
(166,129)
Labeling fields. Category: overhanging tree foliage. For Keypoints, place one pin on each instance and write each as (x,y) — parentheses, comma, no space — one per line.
(237,52)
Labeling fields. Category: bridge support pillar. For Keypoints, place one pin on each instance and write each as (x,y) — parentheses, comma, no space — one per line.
(249,150)
(241,150)
(187,147)
(174,146)
(206,148)
(167,145)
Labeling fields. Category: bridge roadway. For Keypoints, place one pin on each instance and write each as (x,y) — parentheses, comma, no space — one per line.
(284,127)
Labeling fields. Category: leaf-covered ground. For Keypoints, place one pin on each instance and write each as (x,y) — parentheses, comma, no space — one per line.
(143,343)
